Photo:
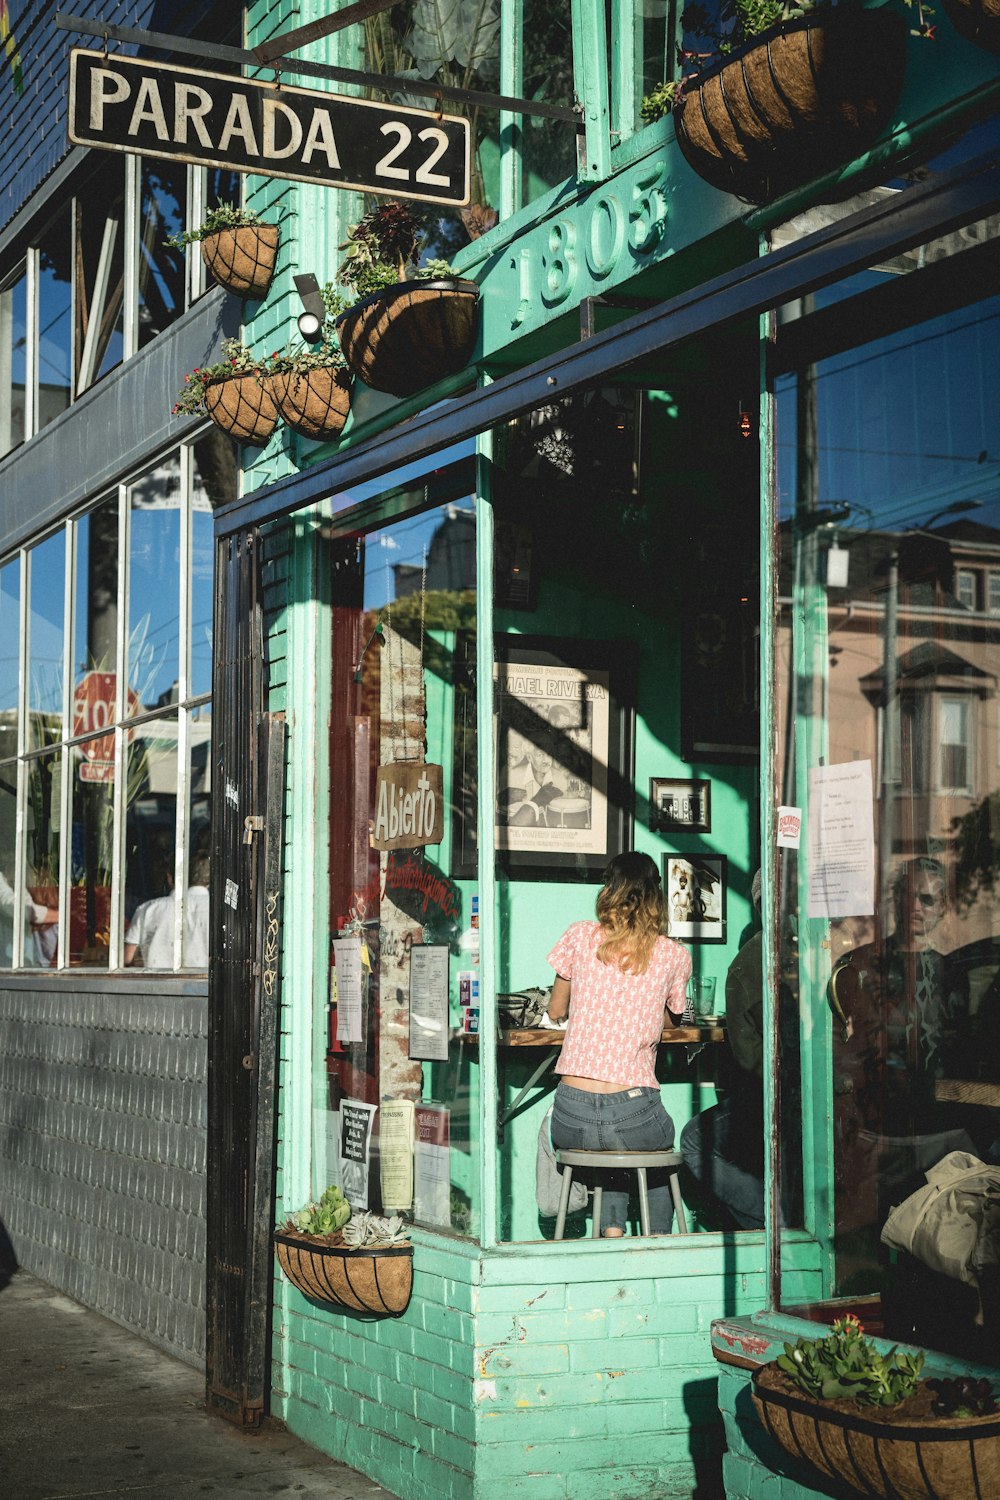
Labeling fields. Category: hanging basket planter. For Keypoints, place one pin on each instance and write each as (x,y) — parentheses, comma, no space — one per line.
(977,20)
(794,103)
(367,1279)
(314,403)
(408,336)
(242,406)
(896,1453)
(242,259)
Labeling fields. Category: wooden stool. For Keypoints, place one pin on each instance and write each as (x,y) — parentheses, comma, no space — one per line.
(633,1161)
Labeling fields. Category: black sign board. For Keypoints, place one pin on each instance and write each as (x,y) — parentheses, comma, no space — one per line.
(156,109)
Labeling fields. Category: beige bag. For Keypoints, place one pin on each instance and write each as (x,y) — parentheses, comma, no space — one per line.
(952,1224)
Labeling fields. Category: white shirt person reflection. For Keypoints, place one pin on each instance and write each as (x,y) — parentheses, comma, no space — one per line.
(39,919)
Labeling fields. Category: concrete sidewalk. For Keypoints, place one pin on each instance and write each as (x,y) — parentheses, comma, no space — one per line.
(89,1410)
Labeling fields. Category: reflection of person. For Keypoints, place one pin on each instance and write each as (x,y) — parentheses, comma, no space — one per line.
(41,919)
(899,1012)
(149,941)
(615,978)
(723,1147)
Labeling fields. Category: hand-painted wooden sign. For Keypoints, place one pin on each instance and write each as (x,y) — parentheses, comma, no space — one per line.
(157,109)
(409,806)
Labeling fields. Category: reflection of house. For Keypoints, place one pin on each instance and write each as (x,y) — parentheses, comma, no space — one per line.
(932,730)
(451,557)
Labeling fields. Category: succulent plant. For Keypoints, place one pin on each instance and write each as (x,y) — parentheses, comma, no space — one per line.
(368,1230)
(963,1397)
(845,1364)
(325,1217)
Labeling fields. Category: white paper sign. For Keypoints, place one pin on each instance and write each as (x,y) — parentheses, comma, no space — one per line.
(432,1165)
(326,1150)
(347,978)
(429,1002)
(395,1151)
(841,841)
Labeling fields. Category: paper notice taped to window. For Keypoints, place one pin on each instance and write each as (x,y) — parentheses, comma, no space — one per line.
(395,1146)
(841,841)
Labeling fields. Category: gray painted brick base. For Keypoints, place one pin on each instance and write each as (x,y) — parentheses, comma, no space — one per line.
(103,1113)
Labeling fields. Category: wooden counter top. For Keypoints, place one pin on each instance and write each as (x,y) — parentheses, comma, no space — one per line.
(671,1035)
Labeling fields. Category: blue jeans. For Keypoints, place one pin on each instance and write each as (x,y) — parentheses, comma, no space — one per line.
(707,1146)
(633,1120)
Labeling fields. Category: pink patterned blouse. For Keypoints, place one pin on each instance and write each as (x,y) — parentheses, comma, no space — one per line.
(615,1019)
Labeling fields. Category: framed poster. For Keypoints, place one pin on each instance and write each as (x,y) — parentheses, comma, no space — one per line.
(678,806)
(563,741)
(696,897)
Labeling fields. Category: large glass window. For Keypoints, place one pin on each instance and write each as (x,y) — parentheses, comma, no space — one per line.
(13,362)
(887,689)
(162,213)
(399,1065)
(107,862)
(55,319)
(100,303)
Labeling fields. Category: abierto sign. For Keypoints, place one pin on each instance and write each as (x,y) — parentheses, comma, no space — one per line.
(157,109)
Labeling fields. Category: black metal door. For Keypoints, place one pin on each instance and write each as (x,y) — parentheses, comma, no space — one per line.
(247,812)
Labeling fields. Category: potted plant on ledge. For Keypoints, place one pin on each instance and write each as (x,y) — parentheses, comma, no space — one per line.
(783,93)
(238,250)
(235,392)
(310,384)
(405,332)
(357,1261)
(868,1420)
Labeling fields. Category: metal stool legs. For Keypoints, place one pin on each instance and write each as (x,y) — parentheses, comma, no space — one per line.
(634,1161)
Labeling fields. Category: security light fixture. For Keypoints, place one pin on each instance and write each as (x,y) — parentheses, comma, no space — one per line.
(313,314)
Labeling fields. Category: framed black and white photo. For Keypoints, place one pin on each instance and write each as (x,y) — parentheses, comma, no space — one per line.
(679,806)
(564,727)
(695,890)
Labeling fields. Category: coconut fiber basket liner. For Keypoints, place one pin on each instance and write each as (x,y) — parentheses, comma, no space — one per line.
(408,336)
(896,1453)
(794,103)
(242,260)
(243,407)
(367,1280)
(314,403)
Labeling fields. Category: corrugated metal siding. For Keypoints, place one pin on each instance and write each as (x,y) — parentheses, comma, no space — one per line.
(103,1128)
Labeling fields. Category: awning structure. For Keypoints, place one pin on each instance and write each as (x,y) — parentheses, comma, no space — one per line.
(923,212)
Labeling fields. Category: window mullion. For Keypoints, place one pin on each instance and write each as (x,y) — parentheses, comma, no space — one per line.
(130,271)
(181,859)
(21,817)
(66,780)
(121,706)
(31,345)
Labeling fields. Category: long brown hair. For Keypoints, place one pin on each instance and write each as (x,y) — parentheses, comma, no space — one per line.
(631,911)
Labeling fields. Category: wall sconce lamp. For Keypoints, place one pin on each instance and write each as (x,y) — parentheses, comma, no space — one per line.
(313,314)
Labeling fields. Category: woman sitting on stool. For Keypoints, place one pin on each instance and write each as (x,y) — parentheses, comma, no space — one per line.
(615,977)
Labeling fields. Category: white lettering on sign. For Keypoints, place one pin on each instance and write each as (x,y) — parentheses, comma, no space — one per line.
(409,811)
(250,125)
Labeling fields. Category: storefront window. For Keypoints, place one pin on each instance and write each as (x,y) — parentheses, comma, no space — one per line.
(100,303)
(887,667)
(161,267)
(154,593)
(55,319)
(140,766)
(627,718)
(400,1061)
(13,362)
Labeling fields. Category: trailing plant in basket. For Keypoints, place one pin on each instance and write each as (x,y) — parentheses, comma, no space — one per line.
(222,216)
(237,360)
(730,24)
(847,1366)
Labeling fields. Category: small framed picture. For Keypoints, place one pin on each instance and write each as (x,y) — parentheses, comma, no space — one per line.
(679,806)
(696,897)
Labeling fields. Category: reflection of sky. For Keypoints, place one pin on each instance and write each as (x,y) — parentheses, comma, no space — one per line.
(904,452)
(48,565)
(54,332)
(154,581)
(10,630)
(402,542)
